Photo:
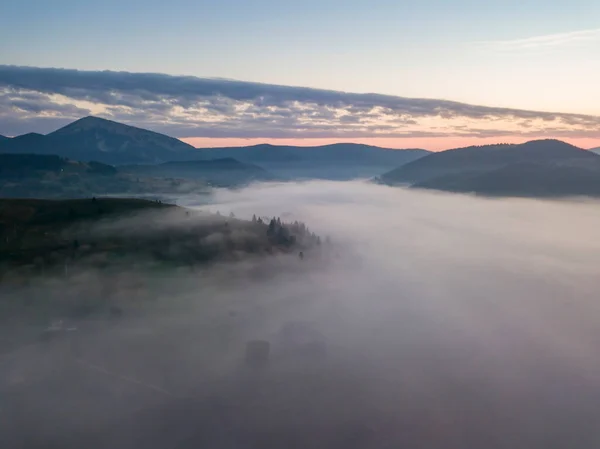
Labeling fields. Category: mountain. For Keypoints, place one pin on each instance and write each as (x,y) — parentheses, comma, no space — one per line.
(540,168)
(481,159)
(222,172)
(595,150)
(106,141)
(3,138)
(29,140)
(523,179)
(93,138)
(337,161)
(338,153)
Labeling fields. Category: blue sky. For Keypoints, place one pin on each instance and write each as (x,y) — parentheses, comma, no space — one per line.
(534,55)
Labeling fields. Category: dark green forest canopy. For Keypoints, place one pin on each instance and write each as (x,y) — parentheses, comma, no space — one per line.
(45,236)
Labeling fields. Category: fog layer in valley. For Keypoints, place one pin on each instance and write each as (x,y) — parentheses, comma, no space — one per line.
(445,321)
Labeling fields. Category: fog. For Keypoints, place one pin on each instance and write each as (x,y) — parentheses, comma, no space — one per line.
(448,321)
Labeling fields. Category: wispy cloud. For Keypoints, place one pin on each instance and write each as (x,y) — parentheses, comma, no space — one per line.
(545,41)
(41,99)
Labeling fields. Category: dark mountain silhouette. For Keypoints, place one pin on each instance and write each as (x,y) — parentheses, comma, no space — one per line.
(337,161)
(523,179)
(253,154)
(540,168)
(93,138)
(481,159)
(338,153)
(225,171)
(25,140)
(3,138)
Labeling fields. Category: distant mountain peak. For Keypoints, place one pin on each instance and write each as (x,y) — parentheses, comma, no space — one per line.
(94,138)
(262,145)
(92,118)
(93,122)
(547,143)
(28,135)
(29,138)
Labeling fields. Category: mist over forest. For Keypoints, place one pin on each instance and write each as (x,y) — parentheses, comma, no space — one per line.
(427,320)
(315,224)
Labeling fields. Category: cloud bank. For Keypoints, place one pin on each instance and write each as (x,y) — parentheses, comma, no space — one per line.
(450,321)
(41,99)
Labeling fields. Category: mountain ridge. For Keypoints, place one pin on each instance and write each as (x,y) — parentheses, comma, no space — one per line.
(479,159)
(339,161)
(107,141)
(223,172)
(538,168)
(525,179)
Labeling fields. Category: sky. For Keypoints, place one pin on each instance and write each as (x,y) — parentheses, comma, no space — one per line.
(487,58)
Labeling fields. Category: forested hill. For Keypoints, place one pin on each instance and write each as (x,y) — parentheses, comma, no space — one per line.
(42,237)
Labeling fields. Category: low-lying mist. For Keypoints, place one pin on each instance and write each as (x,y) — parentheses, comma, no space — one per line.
(442,321)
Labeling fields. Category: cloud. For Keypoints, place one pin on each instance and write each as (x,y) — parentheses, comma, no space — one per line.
(187,106)
(545,41)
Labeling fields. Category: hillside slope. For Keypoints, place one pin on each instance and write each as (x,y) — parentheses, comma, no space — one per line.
(52,176)
(337,161)
(19,166)
(339,153)
(474,160)
(43,236)
(523,179)
(222,172)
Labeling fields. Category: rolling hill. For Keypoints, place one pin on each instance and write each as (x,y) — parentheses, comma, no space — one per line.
(222,172)
(481,159)
(523,179)
(540,168)
(3,138)
(336,161)
(41,237)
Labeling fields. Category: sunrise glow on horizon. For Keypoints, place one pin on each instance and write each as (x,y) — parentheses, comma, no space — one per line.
(438,144)
(432,74)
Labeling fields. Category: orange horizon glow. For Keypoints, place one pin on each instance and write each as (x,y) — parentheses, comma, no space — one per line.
(431,144)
